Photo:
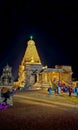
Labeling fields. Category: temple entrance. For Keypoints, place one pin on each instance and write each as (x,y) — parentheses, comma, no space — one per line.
(33,79)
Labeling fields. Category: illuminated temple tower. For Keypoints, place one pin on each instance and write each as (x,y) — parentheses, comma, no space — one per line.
(33,75)
(30,67)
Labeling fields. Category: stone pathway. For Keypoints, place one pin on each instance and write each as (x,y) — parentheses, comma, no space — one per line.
(46,99)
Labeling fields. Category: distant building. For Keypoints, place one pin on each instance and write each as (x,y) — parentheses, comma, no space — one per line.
(33,75)
(6,78)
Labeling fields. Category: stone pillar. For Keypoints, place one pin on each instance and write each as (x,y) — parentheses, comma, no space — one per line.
(37,77)
(45,77)
(50,78)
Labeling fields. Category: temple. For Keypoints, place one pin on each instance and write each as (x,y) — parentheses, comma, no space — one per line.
(7,81)
(33,75)
(6,78)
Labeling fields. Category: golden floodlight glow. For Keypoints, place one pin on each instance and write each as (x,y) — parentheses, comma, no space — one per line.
(31,67)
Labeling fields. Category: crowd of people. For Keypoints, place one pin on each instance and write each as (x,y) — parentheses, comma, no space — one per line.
(59,87)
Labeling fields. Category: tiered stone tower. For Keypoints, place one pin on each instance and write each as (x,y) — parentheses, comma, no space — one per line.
(6,81)
(31,54)
(7,78)
(30,66)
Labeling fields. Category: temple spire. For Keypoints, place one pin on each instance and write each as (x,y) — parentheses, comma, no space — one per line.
(31,56)
(31,53)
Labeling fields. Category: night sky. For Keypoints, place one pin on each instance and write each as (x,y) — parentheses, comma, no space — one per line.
(54,26)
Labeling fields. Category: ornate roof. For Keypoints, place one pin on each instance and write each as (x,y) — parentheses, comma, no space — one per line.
(31,54)
(7,68)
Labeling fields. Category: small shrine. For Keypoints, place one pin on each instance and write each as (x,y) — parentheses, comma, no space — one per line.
(6,77)
(6,81)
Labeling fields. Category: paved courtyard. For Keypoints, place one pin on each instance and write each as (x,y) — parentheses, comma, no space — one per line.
(36,110)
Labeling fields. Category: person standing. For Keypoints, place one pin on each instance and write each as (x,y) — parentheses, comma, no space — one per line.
(70,91)
(5,93)
(50,91)
(59,89)
(77,91)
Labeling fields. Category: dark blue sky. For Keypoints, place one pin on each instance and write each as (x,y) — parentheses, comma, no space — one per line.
(54,26)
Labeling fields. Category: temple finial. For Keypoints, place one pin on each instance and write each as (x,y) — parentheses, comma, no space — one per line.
(31,37)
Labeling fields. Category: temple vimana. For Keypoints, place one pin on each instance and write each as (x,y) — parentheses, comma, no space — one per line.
(33,75)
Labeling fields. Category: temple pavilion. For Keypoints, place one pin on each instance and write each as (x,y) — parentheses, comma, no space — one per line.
(33,75)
